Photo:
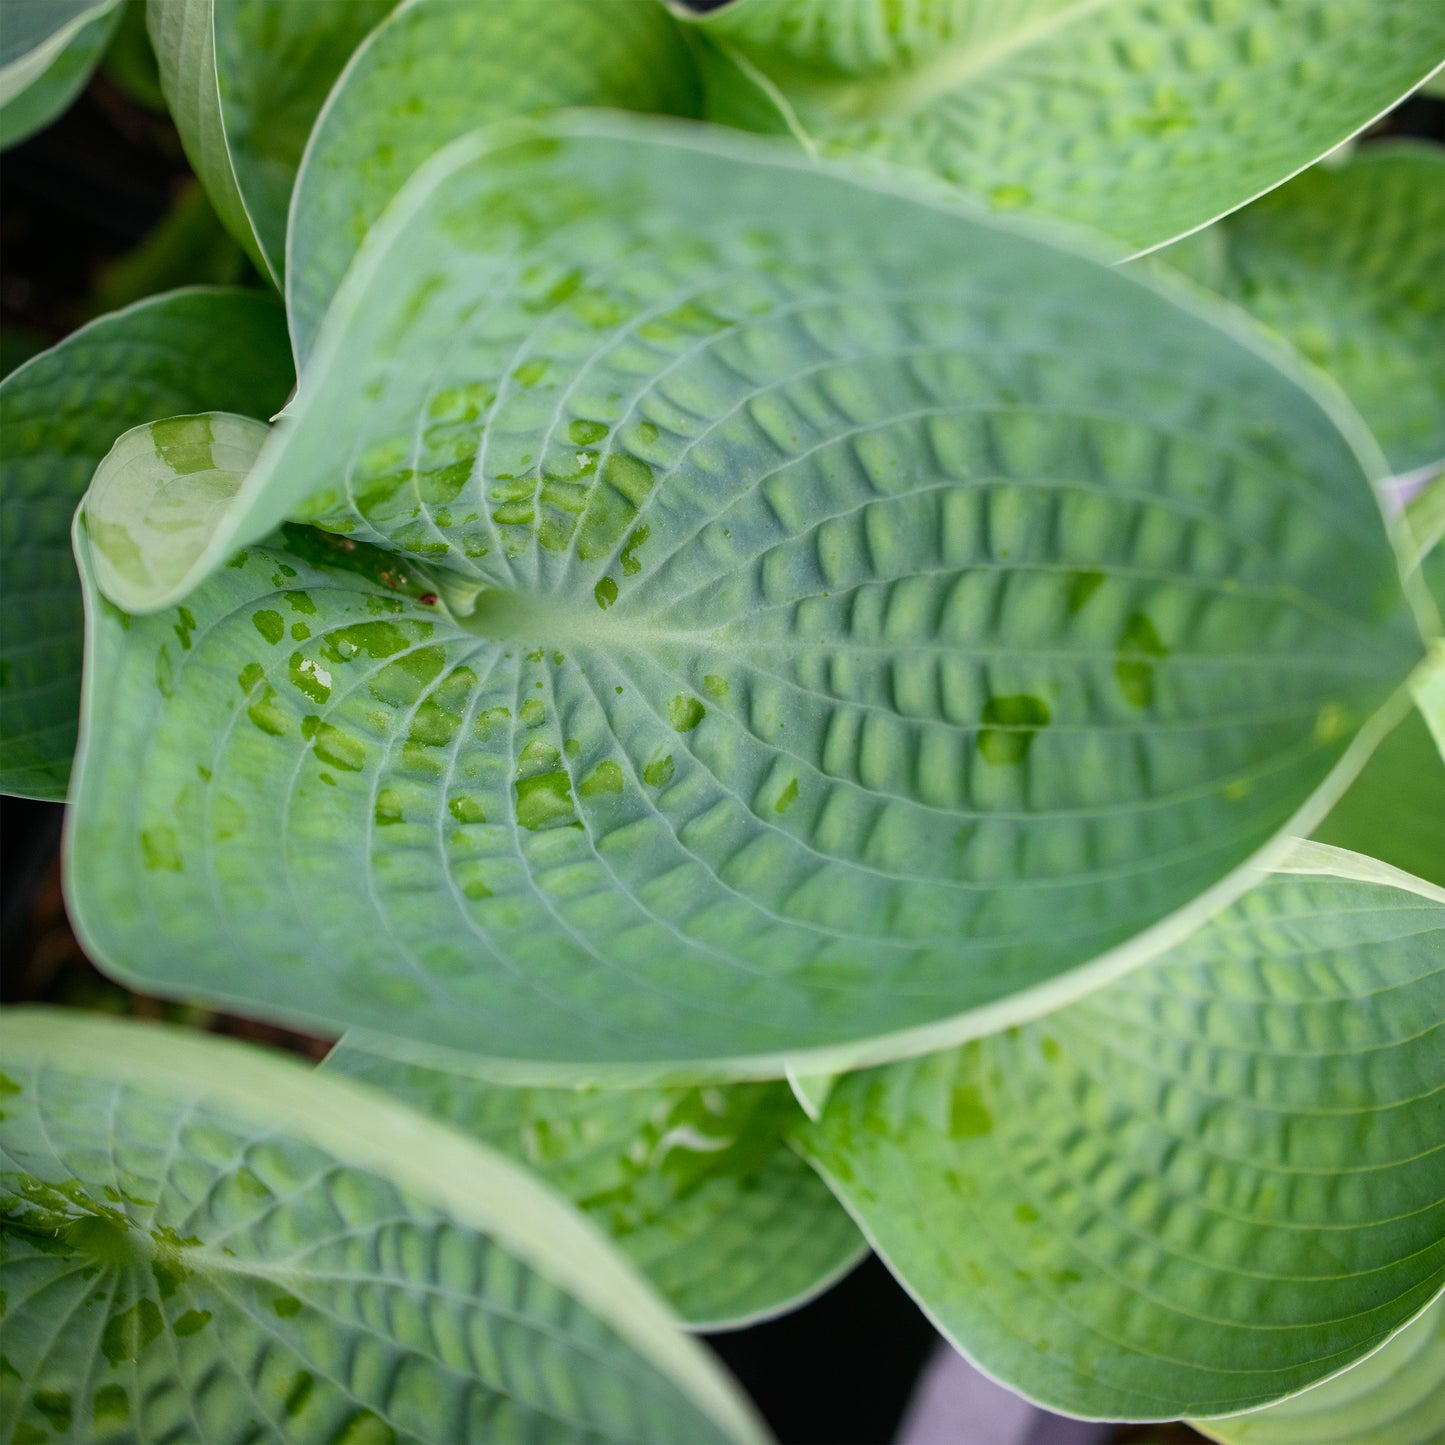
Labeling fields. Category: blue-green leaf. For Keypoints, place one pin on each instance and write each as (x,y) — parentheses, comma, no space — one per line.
(47,50)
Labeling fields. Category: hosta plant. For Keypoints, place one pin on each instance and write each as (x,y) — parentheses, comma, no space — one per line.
(774,687)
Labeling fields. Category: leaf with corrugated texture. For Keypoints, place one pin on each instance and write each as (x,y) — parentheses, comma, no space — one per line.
(440,68)
(1392,1398)
(245,80)
(696,1185)
(1141,120)
(202,1241)
(60,412)
(47,50)
(1347,263)
(1201,1189)
(797,614)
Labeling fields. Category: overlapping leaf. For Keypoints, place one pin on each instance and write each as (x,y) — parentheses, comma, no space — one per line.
(1348,263)
(207,1243)
(1140,119)
(440,68)
(1392,1398)
(60,412)
(1202,1188)
(47,50)
(829,616)
(245,80)
(696,1185)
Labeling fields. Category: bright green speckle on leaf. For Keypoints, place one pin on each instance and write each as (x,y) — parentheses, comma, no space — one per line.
(301,602)
(184,626)
(630,565)
(537,756)
(309,678)
(298,1392)
(532,713)
(545,801)
(8,1085)
(658,772)
(250,675)
(55,1406)
(1049,1048)
(338,748)
(165,673)
(192,1322)
(492,717)
(572,747)
(300,632)
(605,592)
(1139,646)
(1009,198)
(161,849)
(111,1407)
(466,810)
(1009,725)
(1332,722)
(529,373)
(389,808)
(583,433)
(1082,586)
(266,715)
(286,1305)
(1026,1214)
(787,797)
(476,890)
(606,777)
(968,1115)
(127,1334)
(366,1428)
(716,686)
(684,713)
(269,624)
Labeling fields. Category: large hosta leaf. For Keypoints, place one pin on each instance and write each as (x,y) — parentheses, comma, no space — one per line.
(245,80)
(830,616)
(203,1242)
(696,1185)
(1392,1398)
(1142,119)
(440,68)
(1200,1189)
(47,50)
(1348,263)
(59,414)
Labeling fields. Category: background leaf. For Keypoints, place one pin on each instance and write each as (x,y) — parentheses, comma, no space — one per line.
(696,1185)
(60,412)
(1347,263)
(1202,1188)
(245,80)
(1392,1398)
(440,68)
(47,50)
(830,617)
(1143,122)
(206,1242)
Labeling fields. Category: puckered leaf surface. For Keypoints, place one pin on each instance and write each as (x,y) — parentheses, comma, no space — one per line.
(1392,1398)
(1143,120)
(60,413)
(696,1185)
(440,68)
(817,615)
(204,1242)
(47,50)
(245,80)
(1202,1188)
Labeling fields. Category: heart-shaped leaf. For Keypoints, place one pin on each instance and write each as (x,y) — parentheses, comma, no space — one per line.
(47,50)
(1392,1398)
(245,80)
(1346,263)
(60,413)
(828,616)
(696,1185)
(1200,1189)
(440,68)
(205,1242)
(1141,121)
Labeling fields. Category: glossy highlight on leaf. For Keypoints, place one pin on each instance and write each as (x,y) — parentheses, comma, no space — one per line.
(185,351)
(202,1241)
(1202,1188)
(47,50)
(875,444)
